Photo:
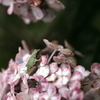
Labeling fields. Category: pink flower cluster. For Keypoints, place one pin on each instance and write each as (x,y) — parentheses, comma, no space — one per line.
(52,76)
(33,10)
(95,74)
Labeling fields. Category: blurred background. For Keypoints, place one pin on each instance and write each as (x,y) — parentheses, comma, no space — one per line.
(79,24)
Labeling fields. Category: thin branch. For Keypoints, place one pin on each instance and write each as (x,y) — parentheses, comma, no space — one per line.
(51,56)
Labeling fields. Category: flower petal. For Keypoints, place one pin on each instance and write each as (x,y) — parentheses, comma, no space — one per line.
(65,70)
(52,77)
(76,76)
(43,60)
(65,80)
(37,12)
(74,85)
(77,95)
(95,68)
(82,70)
(10,9)
(96,83)
(23,96)
(55,4)
(56,97)
(53,67)
(51,90)
(64,92)
(43,71)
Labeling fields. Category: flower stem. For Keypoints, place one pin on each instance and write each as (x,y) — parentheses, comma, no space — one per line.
(51,56)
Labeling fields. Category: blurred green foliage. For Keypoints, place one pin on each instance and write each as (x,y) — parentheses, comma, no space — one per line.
(79,24)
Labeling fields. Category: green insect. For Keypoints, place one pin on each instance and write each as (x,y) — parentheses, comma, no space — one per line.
(32,61)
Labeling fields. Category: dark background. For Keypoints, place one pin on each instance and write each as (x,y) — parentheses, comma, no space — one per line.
(79,24)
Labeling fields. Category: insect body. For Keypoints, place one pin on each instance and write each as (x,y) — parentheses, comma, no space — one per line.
(35,3)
